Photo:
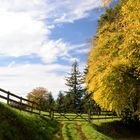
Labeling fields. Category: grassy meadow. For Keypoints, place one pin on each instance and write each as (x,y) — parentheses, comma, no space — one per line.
(20,125)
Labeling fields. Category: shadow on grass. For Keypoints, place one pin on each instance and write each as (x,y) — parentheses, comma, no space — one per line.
(119,130)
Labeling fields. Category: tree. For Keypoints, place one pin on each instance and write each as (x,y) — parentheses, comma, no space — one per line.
(60,102)
(113,63)
(50,103)
(39,95)
(89,104)
(74,82)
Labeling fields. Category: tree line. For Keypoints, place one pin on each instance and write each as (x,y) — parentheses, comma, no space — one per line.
(114,60)
(75,99)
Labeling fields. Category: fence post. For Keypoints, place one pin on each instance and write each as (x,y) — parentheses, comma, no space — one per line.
(50,113)
(20,104)
(8,97)
(52,117)
(32,108)
(39,111)
(89,112)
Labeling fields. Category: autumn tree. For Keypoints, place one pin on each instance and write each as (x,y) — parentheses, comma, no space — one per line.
(40,96)
(74,82)
(114,60)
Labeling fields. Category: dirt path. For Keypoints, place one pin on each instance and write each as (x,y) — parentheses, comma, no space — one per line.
(82,134)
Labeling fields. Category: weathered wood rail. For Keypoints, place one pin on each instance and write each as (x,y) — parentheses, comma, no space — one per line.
(33,107)
(22,104)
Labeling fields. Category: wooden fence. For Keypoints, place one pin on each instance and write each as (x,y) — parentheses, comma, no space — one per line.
(22,104)
(33,107)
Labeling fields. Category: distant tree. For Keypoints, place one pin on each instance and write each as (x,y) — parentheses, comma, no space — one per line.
(60,102)
(39,95)
(75,92)
(50,103)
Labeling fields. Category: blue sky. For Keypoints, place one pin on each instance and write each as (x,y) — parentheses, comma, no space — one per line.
(40,39)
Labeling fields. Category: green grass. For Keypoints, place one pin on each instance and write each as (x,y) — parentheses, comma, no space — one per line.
(20,125)
(81,131)
(116,129)
(70,132)
(104,129)
(92,134)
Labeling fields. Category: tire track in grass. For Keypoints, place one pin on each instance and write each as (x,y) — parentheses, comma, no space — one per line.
(70,131)
(59,135)
(65,132)
(82,134)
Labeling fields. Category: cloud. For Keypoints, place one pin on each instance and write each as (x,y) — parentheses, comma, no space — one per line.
(21,79)
(69,11)
(25,27)
(79,48)
(52,50)
(34,8)
(22,33)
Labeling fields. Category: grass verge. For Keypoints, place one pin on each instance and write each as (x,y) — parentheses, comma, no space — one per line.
(92,134)
(117,129)
(20,125)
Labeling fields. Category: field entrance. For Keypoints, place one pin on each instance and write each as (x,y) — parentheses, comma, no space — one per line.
(71,116)
(80,116)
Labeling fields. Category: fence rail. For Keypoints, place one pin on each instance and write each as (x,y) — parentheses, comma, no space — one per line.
(22,104)
(33,107)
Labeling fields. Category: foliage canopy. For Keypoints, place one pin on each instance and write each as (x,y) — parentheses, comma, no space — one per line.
(114,60)
(42,97)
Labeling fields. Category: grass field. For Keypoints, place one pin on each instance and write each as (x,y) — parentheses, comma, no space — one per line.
(98,130)
(20,125)
(81,131)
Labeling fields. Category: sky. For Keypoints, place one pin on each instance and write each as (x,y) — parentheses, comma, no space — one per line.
(40,39)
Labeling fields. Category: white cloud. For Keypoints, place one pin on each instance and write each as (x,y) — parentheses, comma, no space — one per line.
(20,34)
(52,50)
(21,79)
(82,51)
(34,8)
(74,9)
(25,28)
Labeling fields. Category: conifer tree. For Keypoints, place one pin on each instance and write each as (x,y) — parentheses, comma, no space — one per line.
(60,102)
(74,82)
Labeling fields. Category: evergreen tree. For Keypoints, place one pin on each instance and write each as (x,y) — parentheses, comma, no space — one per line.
(50,102)
(60,102)
(74,94)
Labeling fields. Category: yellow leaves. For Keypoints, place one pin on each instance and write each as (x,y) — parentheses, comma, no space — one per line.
(113,63)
